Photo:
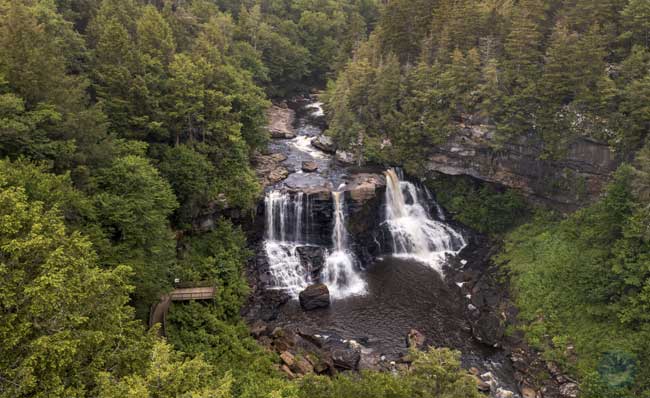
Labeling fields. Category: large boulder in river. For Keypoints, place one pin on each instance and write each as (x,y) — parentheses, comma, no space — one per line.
(345,356)
(415,339)
(281,122)
(315,296)
(309,166)
(324,143)
(345,157)
(488,328)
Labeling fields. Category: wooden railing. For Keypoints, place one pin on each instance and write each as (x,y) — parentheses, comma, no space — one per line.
(193,293)
(158,311)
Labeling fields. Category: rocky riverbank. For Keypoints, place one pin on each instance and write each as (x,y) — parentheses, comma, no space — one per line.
(490,311)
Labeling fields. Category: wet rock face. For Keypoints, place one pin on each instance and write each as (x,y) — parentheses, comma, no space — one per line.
(314,297)
(313,258)
(569,182)
(364,197)
(320,225)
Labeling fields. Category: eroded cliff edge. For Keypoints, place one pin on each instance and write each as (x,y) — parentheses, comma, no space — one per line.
(566,181)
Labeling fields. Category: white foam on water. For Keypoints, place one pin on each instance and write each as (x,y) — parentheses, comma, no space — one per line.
(285,266)
(303,144)
(317,109)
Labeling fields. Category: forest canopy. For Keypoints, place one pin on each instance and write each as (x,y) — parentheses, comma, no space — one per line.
(552,70)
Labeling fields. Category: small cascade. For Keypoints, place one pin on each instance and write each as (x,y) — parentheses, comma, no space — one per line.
(285,216)
(414,233)
(286,224)
(340,273)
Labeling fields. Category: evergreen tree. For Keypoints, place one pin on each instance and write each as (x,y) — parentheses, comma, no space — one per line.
(133,205)
(636,20)
(63,318)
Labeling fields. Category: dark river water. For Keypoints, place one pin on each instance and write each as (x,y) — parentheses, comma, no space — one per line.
(401,295)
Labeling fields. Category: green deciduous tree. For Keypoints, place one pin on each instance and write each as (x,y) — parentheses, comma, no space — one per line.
(434,373)
(167,375)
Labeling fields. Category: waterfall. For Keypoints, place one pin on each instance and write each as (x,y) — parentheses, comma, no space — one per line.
(285,232)
(288,221)
(340,272)
(339,233)
(284,216)
(414,233)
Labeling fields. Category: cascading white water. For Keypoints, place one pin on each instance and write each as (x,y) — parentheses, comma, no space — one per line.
(340,274)
(414,233)
(284,234)
(284,216)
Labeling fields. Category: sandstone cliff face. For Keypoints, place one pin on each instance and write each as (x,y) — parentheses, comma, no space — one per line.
(575,179)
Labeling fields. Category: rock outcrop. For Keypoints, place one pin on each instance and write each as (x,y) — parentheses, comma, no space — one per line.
(281,122)
(346,356)
(309,166)
(324,143)
(344,157)
(313,259)
(576,178)
(364,195)
(415,339)
(314,297)
(269,168)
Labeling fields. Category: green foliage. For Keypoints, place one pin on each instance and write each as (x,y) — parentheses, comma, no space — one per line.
(168,375)
(44,112)
(545,70)
(227,346)
(301,43)
(218,256)
(192,177)
(63,318)
(434,373)
(133,205)
(583,282)
(482,207)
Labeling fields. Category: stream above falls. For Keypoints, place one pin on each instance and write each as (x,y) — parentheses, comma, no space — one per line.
(380,243)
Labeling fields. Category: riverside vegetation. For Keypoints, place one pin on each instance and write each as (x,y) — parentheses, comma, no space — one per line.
(122,121)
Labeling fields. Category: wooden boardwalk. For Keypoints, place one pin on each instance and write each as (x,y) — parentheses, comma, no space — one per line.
(158,312)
